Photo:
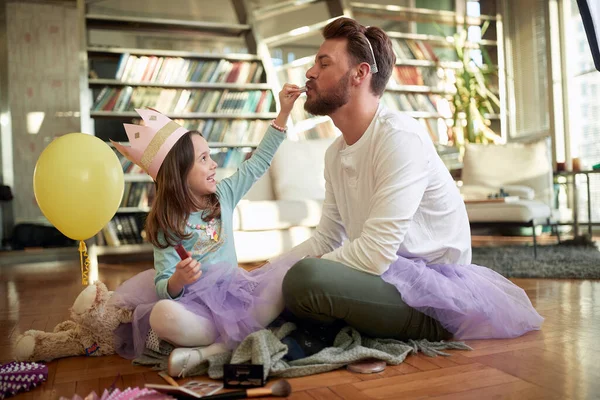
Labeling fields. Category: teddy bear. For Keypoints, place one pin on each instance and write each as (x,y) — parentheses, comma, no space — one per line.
(89,332)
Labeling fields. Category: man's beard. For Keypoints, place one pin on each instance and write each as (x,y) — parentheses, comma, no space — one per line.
(329,102)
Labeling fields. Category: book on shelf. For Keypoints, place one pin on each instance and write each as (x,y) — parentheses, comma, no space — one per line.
(230,158)
(220,132)
(180,101)
(128,166)
(433,78)
(121,230)
(171,70)
(422,50)
(233,132)
(138,195)
(416,102)
(178,70)
(410,49)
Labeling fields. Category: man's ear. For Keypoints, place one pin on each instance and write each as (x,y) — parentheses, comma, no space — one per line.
(362,72)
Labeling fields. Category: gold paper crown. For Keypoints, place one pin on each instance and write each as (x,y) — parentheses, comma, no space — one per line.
(150,143)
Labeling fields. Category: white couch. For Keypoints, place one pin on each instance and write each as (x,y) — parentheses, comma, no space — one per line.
(282,209)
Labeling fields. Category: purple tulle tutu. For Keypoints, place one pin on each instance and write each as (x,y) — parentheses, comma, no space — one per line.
(224,294)
(470,301)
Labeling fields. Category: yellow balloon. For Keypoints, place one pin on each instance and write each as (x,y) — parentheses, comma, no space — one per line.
(78,184)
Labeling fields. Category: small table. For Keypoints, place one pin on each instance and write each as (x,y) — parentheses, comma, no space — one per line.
(587,174)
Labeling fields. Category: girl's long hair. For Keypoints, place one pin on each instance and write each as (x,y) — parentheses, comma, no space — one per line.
(174,200)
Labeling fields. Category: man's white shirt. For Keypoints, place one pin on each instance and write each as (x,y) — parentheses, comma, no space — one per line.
(389,195)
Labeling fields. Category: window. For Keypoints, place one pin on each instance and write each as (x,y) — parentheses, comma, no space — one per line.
(583,111)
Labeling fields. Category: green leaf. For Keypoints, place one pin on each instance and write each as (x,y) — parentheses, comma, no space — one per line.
(484,27)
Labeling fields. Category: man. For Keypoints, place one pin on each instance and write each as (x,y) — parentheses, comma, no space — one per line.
(388,194)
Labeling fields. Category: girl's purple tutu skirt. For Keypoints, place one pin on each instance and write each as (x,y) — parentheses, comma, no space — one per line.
(470,301)
(224,294)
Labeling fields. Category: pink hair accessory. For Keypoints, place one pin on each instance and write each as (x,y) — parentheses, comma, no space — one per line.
(150,143)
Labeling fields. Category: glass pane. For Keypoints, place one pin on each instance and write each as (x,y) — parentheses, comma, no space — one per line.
(527,38)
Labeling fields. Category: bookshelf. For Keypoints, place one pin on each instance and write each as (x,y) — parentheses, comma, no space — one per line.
(205,75)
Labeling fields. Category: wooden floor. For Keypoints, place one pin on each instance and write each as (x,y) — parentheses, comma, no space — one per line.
(554,363)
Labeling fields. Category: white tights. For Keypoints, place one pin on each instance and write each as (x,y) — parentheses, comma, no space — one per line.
(172,322)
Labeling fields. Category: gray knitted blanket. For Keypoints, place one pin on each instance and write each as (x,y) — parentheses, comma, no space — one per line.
(265,347)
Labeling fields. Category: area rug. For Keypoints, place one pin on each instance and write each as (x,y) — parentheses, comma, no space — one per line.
(555,261)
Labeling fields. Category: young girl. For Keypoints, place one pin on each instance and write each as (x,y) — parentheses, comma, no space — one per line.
(198,299)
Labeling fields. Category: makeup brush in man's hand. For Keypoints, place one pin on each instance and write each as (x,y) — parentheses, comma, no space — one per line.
(279,389)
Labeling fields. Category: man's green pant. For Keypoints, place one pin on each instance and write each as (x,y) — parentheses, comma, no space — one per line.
(323,291)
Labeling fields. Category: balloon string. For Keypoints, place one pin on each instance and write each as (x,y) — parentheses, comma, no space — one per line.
(85,262)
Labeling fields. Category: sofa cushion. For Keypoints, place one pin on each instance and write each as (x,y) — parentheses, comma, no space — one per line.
(297,169)
(277,214)
(518,211)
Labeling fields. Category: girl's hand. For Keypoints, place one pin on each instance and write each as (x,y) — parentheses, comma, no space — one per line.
(186,272)
(288,95)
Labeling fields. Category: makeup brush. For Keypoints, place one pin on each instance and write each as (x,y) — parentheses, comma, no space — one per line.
(167,378)
(280,388)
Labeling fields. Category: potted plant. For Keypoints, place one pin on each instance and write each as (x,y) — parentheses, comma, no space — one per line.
(473,99)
